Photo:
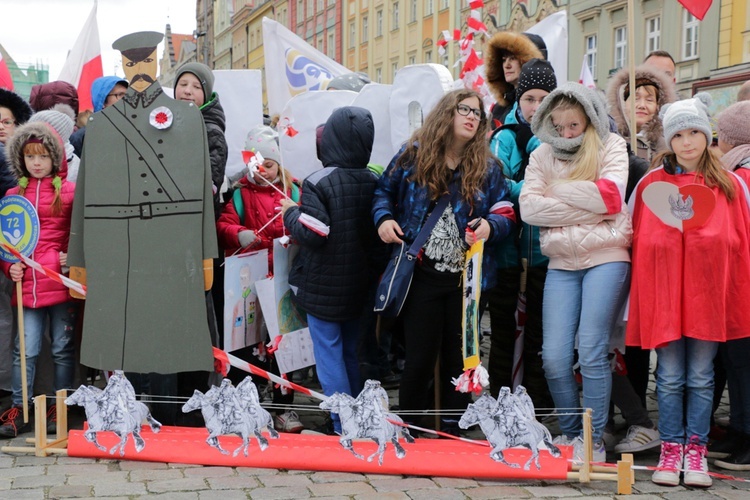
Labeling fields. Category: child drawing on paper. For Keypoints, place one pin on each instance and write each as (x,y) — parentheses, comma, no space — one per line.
(246,313)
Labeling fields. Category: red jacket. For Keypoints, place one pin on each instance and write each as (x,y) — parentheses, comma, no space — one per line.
(693,283)
(39,290)
(260,204)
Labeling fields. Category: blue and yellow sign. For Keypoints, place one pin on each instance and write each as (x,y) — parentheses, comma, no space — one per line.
(19,226)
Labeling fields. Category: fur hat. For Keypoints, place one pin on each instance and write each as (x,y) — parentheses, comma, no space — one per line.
(264,140)
(48,137)
(203,73)
(616,95)
(732,124)
(687,114)
(536,74)
(16,104)
(594,107)
(502,43)
(60,117)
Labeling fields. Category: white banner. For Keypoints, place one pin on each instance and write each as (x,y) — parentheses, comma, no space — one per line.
(240,92)
(554,31)
(293,66)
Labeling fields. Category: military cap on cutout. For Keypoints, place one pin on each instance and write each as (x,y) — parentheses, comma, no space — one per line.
(138,46)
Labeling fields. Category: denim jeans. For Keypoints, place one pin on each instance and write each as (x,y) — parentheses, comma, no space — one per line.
(62,321)
(335,348)
(581,304)
(685,370)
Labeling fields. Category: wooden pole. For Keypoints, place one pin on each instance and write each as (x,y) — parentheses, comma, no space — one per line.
(22,348)
(631,76)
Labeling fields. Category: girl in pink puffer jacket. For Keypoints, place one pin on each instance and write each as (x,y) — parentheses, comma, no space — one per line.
(574,191)
(37,157)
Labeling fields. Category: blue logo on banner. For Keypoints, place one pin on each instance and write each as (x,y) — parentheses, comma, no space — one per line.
(19,226)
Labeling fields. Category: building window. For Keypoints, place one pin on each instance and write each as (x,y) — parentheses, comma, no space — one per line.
(331,3)
(395,15)
(621,46)
(365,30)
(378,75)
(428,56)
(321,4)
(379,23)
(320,44)
(653,34)
(300,11)
(412,11)
(591,53)
(428,8)
(394,69)
(690,36)
(310,8)
(443,4)
(352,35)
(331,48)
(412,60)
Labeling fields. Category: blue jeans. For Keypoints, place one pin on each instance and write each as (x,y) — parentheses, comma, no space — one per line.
(335,348)
(581,304)
(62,322)
(685,370)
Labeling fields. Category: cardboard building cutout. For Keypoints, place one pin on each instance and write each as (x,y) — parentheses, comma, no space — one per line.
(142,231)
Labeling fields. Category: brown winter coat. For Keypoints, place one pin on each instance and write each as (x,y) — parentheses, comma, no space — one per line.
(651,140)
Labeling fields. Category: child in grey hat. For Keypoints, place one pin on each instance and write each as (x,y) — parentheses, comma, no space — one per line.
(682,303)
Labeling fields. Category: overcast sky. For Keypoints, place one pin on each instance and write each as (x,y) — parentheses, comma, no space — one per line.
(45,30)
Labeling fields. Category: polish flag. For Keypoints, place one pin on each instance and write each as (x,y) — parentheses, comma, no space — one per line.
(84,63)
(586,79)
(698,8)
(6,81)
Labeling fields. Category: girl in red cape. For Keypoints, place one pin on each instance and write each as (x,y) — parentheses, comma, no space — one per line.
(691,268)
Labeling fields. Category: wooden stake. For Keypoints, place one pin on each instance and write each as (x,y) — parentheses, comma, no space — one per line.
(22,348)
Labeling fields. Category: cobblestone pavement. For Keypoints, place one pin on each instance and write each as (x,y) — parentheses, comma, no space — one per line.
(24,476)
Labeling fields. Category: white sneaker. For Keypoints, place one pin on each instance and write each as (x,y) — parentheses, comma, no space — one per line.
(563,440)
(599,455)
(670,463)
(638,439)
(288,422)
(696,466)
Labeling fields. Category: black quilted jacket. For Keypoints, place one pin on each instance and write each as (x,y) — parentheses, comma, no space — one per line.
(332,272)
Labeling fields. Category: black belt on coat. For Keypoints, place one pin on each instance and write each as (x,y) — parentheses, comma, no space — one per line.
(146,210)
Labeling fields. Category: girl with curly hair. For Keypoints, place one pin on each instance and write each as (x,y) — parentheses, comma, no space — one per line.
(448,154)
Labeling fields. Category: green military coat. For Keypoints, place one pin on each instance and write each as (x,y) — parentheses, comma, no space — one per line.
(142,225)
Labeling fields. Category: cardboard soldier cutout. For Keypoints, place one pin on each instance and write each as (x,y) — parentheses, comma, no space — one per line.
(142,230)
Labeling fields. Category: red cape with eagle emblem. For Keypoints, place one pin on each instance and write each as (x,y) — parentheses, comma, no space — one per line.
(690,282)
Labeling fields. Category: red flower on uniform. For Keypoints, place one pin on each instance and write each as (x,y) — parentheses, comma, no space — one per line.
(161,117)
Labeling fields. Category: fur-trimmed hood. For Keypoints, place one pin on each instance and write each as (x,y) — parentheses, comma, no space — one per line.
(50,140)
(665,93)
(506,41)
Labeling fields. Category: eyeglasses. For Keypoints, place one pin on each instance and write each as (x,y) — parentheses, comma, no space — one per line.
(118,95)
(531,101)
(8,123)
(464,110)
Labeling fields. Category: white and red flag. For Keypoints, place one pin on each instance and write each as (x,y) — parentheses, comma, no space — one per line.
(84,62)
(586,79)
